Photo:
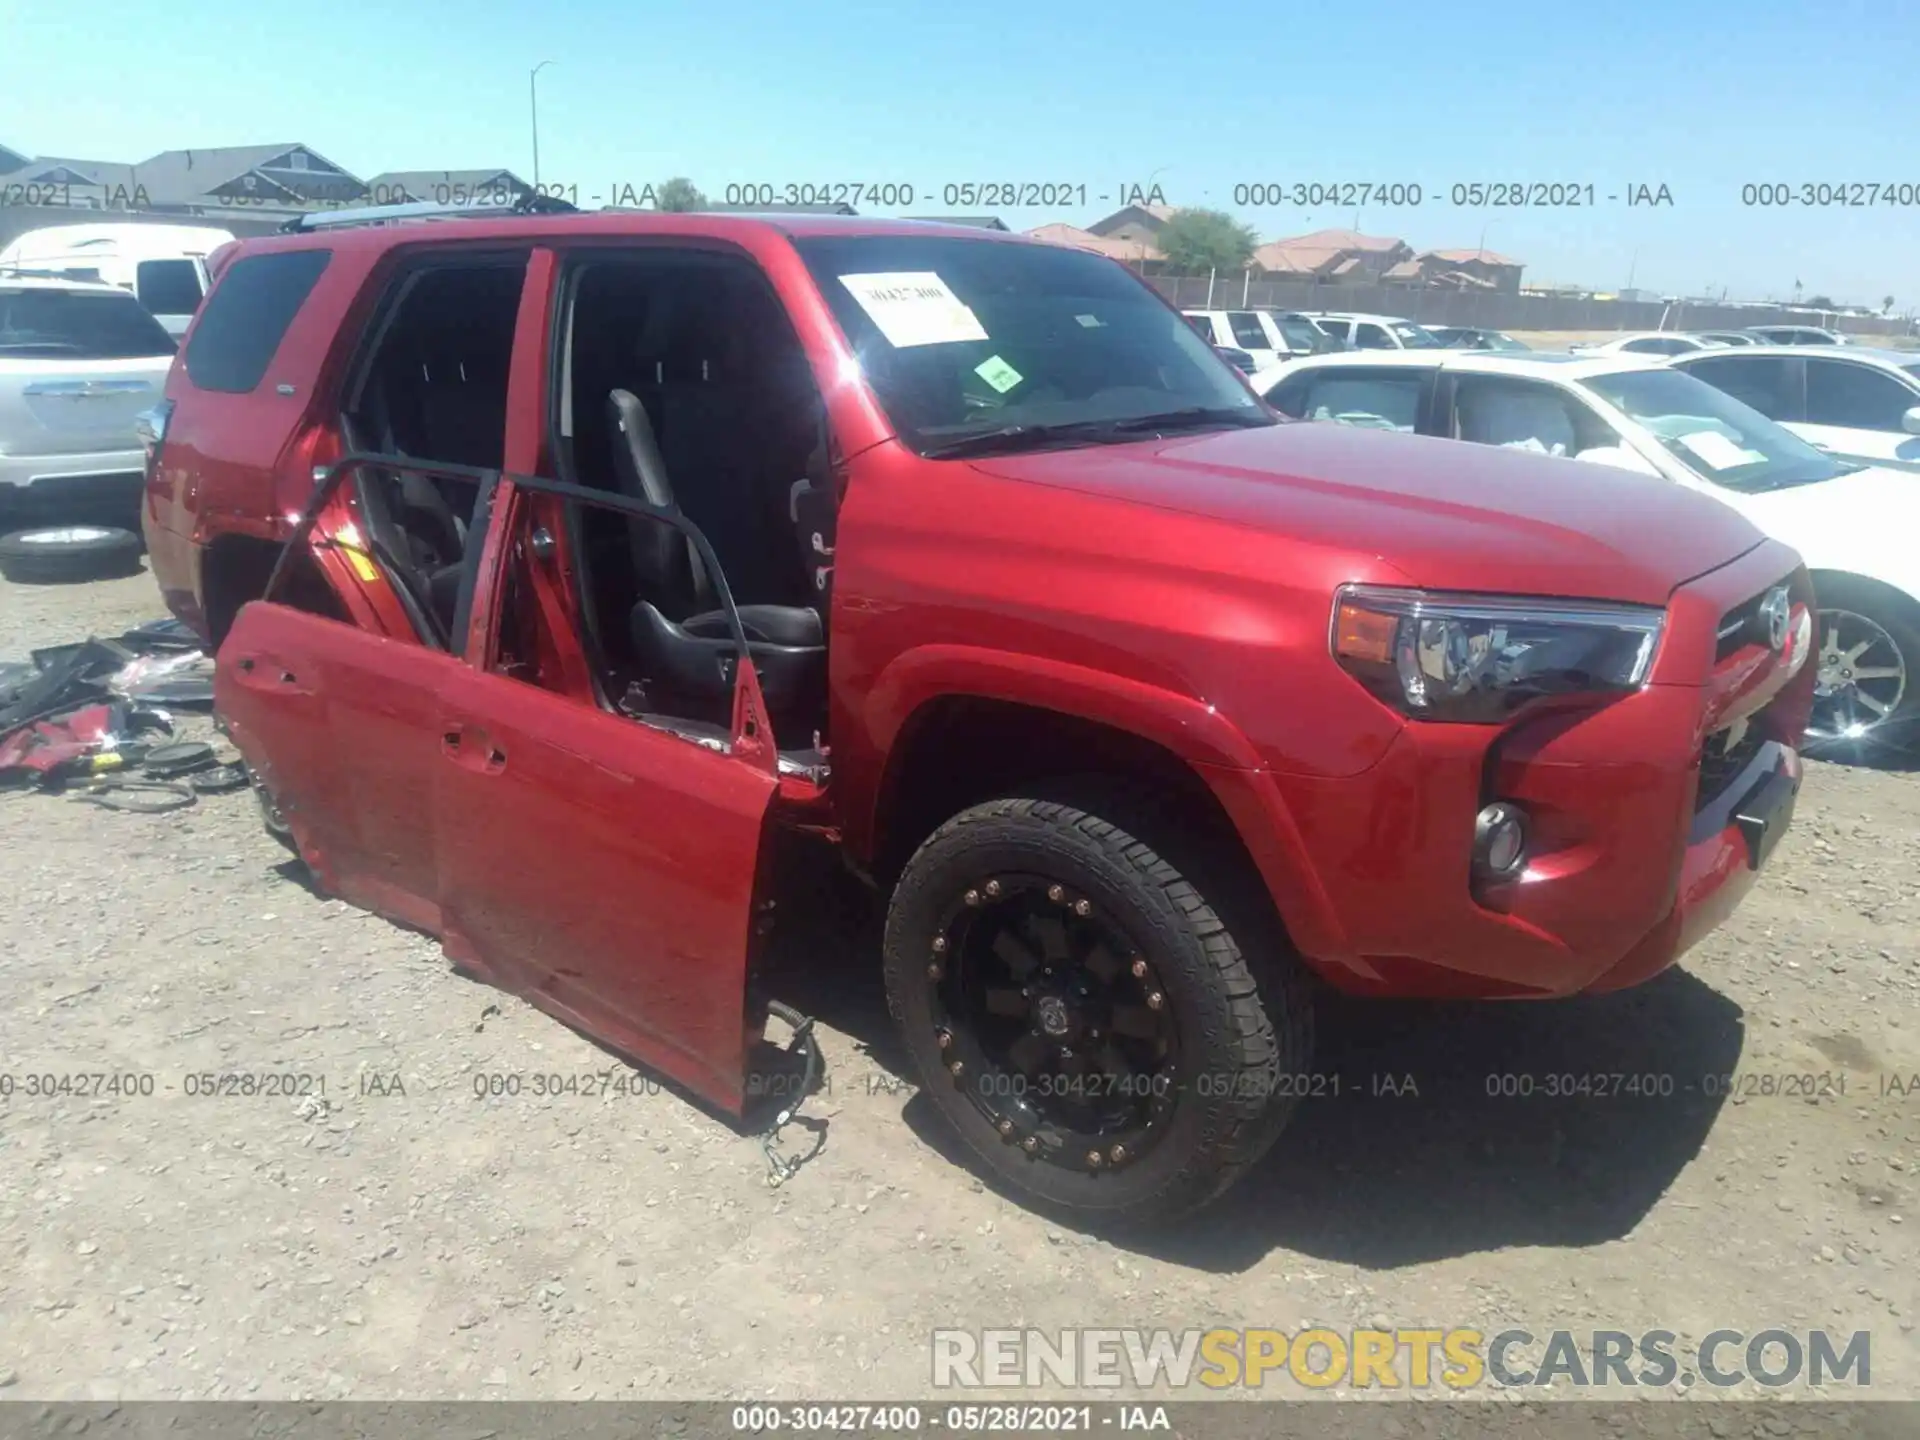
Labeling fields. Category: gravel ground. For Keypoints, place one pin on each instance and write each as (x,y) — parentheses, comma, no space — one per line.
(407,1239)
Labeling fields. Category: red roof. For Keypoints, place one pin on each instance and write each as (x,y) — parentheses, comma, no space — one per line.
(1341,240)
(1462,257)
(1127,250)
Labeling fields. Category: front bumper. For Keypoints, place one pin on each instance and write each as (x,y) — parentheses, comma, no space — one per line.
(1636,846)
(96,485)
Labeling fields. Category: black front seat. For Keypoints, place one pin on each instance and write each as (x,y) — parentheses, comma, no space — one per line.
(684,645)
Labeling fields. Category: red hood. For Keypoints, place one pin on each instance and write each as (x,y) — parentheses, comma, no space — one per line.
(1446,514)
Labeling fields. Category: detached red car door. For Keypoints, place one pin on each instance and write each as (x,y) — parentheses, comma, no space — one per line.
(604,869)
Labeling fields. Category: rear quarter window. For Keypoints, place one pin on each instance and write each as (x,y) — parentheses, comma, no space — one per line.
(168,287)
(78,325)
(246,317)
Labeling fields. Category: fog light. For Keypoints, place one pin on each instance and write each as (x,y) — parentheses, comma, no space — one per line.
(1499,841)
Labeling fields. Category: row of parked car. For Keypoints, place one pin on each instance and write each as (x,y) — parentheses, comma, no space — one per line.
(1255,339)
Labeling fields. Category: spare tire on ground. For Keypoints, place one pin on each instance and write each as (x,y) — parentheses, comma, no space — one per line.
(65,554)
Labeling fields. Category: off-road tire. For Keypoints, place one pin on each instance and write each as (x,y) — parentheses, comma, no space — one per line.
(68,554)
(1241,998)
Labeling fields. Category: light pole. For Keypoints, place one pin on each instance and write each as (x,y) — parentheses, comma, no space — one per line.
(533,105)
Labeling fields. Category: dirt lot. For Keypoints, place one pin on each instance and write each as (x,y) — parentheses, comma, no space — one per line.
(408,1239)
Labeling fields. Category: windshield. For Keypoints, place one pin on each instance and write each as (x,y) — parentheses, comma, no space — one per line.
(78,325)
(1300,332)
(1713,434)
(966,340)
(1496,340)
(1415,337)
(1913,369)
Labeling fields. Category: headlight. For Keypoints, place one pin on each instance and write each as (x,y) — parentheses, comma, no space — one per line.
(1476,659)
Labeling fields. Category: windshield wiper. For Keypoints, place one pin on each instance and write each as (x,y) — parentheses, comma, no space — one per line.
(1241,415)
(1014,437)
(1009,437)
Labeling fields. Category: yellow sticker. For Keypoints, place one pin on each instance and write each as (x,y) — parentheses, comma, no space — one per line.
(998,373)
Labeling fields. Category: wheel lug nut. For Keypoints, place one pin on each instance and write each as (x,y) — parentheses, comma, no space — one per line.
(939,944)
(1056,894)
(1094,1157)
(1083,907)
(956,1067)
(1030,1144)
(1139,968)
(945,1040)
(1156,1000)
(972,897)
(934,972)
(1006,1127)
(993,887)
(1117,1154)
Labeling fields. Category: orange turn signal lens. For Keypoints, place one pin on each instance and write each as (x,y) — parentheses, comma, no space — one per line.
(1365,635)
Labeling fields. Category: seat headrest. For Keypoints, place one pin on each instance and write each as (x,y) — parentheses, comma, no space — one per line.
(636,454)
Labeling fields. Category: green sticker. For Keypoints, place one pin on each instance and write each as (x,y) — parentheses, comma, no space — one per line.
(998,373)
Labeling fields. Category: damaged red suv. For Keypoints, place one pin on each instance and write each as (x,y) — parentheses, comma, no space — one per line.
(647,542)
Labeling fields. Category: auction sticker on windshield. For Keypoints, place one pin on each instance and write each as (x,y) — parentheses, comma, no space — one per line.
(1710,447)
(914,307)
(998,373)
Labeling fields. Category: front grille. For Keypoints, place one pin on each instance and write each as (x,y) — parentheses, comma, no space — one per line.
(1726,754)
(1738,627)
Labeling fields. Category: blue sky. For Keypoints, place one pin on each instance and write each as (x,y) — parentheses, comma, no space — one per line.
(1699,95)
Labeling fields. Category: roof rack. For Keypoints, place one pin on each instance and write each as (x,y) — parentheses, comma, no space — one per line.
(528,204)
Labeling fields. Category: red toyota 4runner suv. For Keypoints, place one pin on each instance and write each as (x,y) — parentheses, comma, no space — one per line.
(660,539)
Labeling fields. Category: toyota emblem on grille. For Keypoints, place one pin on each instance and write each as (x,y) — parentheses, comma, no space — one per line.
(1776,612)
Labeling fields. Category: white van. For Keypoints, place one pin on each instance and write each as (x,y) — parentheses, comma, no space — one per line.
(165,266)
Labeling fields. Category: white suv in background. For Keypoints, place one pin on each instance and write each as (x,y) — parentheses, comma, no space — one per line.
(1249,330)
(78,363)
(165,266)
(1852,400)
(1374,332)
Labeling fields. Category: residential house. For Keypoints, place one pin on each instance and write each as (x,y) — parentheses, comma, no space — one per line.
(239,179)
(11,160)
(446,187)
(1142,255)
(1134,224)
(1333,257)
(1459,270)
(61,181)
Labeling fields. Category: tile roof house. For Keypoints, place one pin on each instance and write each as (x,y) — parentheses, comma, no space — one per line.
(1136,224)
(1140,254)
(446,187)
(1333,257)
(1460,270)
